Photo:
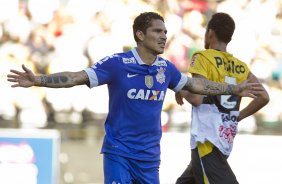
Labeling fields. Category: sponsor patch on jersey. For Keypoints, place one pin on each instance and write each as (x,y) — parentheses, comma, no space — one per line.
(160,75)
(228,132)
(128,60)
(149,82)
(193,60)
(146,94)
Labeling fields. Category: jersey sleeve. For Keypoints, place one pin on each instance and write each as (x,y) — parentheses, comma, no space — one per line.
(178,79)
(102,72)
(199,65)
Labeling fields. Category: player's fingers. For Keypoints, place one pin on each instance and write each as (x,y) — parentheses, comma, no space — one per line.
(16,72)
(180,102)
(13,80)
(257,92)
(258,85)
(257,88)
(12,76)
(252,95)
(179,99)
(26,69)
(15,85)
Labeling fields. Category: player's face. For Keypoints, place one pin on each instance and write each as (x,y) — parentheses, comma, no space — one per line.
(155,37)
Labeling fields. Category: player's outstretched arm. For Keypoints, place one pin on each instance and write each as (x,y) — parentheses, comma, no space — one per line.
(26,78)
(207,87)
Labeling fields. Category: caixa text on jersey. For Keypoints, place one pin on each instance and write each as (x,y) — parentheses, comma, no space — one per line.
(146,94)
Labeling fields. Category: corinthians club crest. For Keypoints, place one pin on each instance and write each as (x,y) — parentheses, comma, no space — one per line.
(149,82)
(160,76)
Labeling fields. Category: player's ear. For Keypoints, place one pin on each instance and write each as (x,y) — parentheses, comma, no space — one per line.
(209,32)
(212,33)
(140,35)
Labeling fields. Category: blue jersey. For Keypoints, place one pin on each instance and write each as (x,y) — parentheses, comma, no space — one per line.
(136,95)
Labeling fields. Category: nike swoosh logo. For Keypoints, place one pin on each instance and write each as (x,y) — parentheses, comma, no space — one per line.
(131,75)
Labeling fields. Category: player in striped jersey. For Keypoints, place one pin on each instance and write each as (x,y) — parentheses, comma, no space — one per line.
(137,82)
(215,118)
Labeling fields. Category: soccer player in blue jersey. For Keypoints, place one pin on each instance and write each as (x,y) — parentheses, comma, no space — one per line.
(137,83)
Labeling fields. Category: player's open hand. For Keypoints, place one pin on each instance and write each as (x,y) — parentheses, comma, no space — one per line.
(247,89)
(21,79)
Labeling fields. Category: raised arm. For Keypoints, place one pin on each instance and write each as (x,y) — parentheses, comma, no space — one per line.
(57,80)
(206,87)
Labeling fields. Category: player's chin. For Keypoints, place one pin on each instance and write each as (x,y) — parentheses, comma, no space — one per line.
(160,50)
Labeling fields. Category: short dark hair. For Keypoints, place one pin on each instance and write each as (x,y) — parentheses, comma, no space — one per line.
(143,21)
(223,25)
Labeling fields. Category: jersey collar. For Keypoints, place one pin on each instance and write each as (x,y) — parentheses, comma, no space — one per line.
(139,60)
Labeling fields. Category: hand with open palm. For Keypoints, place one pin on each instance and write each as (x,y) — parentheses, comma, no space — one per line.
(22,79)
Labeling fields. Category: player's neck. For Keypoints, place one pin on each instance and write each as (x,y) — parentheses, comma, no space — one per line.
(146,56)
(220,46)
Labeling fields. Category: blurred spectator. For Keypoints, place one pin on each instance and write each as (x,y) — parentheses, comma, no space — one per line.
(42,11)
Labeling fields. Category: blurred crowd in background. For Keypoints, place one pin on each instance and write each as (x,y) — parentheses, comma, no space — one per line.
(69,35)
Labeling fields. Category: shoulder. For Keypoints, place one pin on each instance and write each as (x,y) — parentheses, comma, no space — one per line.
(197,56)
(116,58)
(125,57)
(164,62)
(167,65)
(206,51)
(200,53)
